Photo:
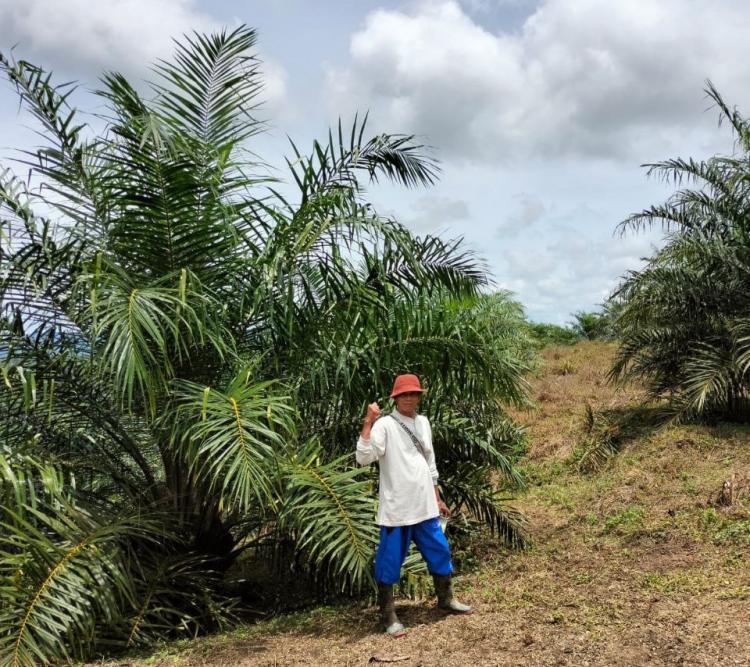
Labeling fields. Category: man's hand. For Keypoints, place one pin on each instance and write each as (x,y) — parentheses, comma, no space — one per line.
(373,412)
(443,508)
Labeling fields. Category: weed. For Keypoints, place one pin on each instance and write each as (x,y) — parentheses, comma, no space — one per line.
(689,485)
(565,368)
(560,496)
(495,593)
(557,618)
(539,474)
(676,582)
(603,484)
(733,532)
(710,518)
(591,519)
(630,516)
(718,528)
(739,593)
(735,561)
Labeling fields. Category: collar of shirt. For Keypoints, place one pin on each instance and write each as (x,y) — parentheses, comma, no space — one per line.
(409,421)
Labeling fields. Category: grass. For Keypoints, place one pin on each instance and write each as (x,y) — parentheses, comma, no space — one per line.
(633,562)
(624,520)
(679,581)
(726,529)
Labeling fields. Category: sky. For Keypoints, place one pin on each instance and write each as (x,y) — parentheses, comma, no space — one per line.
(541,112)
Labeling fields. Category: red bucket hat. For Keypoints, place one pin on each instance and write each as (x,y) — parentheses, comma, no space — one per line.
(406,383)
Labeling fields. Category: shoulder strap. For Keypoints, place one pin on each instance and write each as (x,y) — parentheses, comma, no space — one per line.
(413,436)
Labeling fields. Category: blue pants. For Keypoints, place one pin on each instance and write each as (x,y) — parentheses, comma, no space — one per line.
(394,545)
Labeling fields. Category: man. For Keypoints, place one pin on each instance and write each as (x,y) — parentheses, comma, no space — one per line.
(409,500)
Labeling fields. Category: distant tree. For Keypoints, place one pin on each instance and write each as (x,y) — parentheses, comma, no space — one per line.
(590,325)
(553,334)
(594,325)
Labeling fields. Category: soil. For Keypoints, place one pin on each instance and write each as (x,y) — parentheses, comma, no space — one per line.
(633,564)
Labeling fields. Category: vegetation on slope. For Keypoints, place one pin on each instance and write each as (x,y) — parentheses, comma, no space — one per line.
(643,561)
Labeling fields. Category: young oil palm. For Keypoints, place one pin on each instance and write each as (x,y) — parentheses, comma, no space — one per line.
(185,352)
(685,317)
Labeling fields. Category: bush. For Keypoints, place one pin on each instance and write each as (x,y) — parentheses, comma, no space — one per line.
(553,334)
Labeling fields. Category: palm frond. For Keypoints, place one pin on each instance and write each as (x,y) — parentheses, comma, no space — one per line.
(62,573)
(231,438)
(330,510)
(336,163)
(145,331)
(210,88)
(470,487)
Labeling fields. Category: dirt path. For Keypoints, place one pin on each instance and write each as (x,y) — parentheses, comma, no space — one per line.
(633,565)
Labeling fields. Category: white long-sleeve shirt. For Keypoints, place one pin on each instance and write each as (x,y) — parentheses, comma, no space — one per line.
(407,479)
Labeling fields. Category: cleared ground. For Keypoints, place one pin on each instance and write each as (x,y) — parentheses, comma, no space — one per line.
(644,562)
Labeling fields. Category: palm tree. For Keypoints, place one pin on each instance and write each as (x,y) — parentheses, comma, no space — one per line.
(186,354)
(685,318)
(595,325)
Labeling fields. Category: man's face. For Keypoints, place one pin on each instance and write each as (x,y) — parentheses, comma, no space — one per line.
(407,403)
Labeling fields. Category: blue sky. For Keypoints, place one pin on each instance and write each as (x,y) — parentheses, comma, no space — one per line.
(540,111)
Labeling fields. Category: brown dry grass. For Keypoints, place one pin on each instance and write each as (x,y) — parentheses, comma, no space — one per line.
(632,565)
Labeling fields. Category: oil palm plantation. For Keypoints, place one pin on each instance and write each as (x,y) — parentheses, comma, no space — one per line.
(685,318)
(187,349)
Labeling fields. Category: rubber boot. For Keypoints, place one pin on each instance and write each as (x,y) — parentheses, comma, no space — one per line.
(388,617)
(446,601)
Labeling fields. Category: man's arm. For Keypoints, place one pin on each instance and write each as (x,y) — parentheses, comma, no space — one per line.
(373,412)
(369,447)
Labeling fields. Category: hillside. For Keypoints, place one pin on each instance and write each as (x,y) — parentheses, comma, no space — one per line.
(644,562)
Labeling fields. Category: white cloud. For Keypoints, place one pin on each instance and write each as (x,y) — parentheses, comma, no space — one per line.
(434,212)
(571,271)
(484,6)
(82,38)
(530,210)
(582,77)
(87,36)
(274,87)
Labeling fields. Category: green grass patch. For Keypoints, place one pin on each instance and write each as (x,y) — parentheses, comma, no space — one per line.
(541,474)
(737,593)
(560,496)
(722,529)
(680,581)
(733,532)
(630,517)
